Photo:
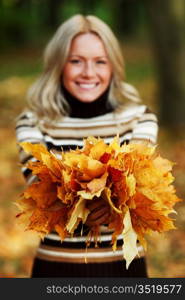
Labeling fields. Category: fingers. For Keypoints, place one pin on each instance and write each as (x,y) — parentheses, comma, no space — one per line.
(100,221)
(98,213)
(92,205)
(104,219)
(98,216)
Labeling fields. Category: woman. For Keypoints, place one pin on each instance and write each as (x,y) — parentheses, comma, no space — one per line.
(80,93)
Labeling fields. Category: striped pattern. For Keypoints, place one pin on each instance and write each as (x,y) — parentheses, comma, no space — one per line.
(90,255)
(133,124)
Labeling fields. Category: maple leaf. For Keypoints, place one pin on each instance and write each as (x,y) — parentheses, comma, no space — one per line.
(44,221)
(90,168)
(98,150)
(119,186)
(164,165)
(98,183)
(79,213)
(145,216)
(89,195)
(47,160)
(35,149)
(115,145)
(130,249)
(52,163)
(107,197)
(131,184)
(44,193)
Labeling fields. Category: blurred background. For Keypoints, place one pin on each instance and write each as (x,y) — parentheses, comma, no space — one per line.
(151,34)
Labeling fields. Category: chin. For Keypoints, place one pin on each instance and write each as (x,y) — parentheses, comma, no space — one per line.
(86,100)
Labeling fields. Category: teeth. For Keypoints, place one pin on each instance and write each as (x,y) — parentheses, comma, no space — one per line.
(87,85)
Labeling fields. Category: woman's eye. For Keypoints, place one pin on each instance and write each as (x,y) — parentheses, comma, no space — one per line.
(74,61)
(101,62)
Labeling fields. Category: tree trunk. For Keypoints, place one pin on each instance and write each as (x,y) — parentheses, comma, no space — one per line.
(52,17)
(126,16)
(167,20)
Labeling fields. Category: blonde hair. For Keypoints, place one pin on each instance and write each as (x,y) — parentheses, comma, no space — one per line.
(45,97)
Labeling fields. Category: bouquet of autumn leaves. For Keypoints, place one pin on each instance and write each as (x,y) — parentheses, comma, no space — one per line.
(134,179)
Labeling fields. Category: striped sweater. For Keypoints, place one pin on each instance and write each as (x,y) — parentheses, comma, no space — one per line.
(133,124)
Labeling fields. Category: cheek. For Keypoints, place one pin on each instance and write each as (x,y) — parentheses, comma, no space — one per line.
(69,74)
(106,76)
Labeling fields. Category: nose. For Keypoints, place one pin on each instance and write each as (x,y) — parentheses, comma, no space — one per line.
(88,70)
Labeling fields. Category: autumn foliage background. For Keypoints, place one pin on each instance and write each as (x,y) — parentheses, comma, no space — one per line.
(19,68)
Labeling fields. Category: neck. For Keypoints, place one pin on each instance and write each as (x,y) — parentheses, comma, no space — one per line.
(79,109)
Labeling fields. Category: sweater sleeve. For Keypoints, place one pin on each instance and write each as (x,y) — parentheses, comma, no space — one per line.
(27,130)
(146,129)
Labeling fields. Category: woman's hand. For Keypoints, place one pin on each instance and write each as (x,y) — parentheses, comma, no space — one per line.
(99,212)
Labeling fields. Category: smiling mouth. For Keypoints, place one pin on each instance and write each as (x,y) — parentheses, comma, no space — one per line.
(87,86)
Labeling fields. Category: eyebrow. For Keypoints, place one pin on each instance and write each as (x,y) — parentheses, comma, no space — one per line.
(83,56)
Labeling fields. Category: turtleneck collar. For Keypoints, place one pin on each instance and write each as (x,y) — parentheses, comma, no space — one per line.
(84,110)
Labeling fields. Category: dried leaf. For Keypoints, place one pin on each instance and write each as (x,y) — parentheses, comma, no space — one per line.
(35,149)
(131,184)
(97,184)
(130,249)
(44,193)
(44,221)
(80,212)
(89,195)
(107,196)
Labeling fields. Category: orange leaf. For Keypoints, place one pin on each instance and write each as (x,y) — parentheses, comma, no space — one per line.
(145,217)
(44,221)
(35,149)
(98,183)
(44,193)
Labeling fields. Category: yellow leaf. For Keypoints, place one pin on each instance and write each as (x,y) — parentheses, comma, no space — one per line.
(147,176)
(131,184)
(52,163)
(164,165)
(97,184)
(107,196)
(35,149)
(80,212)
(66,176)
(115,145)
(89,195)
(130,249)
(90,168)
(94,168)
(98,150)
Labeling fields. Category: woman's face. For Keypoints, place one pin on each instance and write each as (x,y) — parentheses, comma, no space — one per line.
(87,71)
